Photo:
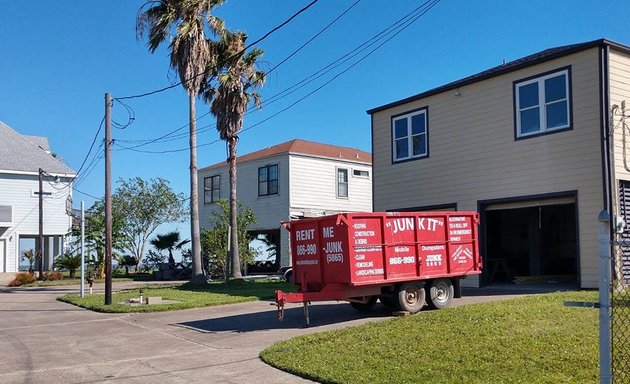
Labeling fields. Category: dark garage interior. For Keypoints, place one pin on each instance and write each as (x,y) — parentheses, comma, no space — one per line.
(531,244)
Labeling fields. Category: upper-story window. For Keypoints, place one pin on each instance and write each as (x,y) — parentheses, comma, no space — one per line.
(410,136)
(342,182)
(543,104)
(268,180)
(211,189)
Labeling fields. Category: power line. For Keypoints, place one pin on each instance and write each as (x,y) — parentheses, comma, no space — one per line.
(166,137)
(87,194)
(226,61)
(390,32)
(92,145)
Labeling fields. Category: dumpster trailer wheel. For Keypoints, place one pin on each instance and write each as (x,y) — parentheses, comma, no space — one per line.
(411,297)
(440,294)
(369,304)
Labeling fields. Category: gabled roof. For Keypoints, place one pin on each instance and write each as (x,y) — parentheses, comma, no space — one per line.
(307,148)
(536,58)
(19,153)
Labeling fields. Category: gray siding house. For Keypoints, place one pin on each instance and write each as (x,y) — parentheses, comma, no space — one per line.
(21,158)
(538,146)
(291,180)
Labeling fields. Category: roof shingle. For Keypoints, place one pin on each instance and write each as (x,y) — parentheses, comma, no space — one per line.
(20,153)
(303,147)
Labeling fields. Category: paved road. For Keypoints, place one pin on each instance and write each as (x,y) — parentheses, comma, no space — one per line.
(45,341)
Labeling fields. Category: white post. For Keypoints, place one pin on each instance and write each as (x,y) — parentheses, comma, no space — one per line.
(605,375)
(82,250)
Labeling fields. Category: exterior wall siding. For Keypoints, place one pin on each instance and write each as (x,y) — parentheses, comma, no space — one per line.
(17,191)
(305,184)
(313,185)
(619,64)
(474,155)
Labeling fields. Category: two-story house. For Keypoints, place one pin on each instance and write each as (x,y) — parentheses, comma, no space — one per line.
(538,146)
(21,159)
(294,179)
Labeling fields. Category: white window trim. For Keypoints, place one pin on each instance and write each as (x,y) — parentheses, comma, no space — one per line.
(361,176)
(337,169)
(542,105)
(409,136)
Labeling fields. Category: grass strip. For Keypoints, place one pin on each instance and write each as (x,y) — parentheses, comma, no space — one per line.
(534,339)
(186,296)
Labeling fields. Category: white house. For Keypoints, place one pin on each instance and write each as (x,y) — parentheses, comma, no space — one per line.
(539,146)
(21,158)
(294,179)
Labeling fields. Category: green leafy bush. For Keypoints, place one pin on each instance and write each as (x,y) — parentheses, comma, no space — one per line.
(22,278)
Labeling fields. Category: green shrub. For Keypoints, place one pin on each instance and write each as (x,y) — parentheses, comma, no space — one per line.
(22,278)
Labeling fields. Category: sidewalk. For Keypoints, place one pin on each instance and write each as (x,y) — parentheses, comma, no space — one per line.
(44,340)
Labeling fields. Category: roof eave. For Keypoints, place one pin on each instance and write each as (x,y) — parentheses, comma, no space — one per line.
(475,79)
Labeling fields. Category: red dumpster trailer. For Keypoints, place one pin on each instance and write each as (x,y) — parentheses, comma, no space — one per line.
(403,259)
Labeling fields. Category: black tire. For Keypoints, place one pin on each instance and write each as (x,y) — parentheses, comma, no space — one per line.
(371,302)
(440,294)
(411,297)
(288,276)
(390,302)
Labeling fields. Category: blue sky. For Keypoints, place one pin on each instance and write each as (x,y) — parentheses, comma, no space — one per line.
(60,57)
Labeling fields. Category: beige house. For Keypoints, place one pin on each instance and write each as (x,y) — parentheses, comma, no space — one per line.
(538,146)
(291,180)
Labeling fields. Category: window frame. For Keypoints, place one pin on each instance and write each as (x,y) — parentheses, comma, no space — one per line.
(267,180)
(409,115)
(542,104)
(212,189)
(361,173)
(338,170)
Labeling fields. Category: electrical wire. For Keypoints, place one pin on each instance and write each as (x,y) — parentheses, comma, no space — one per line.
(227,60)
(391,31)
(395,28)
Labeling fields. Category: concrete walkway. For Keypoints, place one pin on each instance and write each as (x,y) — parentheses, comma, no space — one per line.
(43,340)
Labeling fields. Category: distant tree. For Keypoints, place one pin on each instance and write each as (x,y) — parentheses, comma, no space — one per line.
(152,260)
(144,206)
(126,262)
(183,24)
(32,258)
(95,236)
(214,242)
(169,242)
(237,80)
(69,262)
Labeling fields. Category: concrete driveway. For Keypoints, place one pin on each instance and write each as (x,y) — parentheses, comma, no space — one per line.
(45,341)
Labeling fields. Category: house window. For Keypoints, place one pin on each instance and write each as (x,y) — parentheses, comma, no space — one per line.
(211,189)
(542,104)
(359,173)
(409,136)
(342,182)
(268,180)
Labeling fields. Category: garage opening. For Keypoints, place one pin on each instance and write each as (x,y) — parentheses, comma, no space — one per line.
(529,244)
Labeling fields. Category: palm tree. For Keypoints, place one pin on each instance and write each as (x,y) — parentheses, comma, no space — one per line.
(229,100)
(190,55)
(30,255)
(126,262)
(169,242)
(69,262)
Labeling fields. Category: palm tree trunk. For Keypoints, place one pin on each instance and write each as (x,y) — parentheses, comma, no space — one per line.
(197,272)
(236,264)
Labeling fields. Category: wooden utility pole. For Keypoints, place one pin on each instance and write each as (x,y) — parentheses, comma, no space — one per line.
(108,199)
(40,246)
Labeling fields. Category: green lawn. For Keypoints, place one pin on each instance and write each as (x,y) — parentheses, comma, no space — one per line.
(532,339)
(187,296)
